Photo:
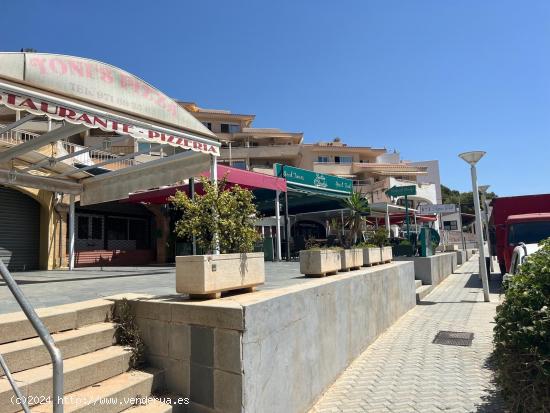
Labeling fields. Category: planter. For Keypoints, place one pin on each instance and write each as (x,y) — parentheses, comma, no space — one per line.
(351,259)
(206,276)
(371,256)
(386,254)
(318,263)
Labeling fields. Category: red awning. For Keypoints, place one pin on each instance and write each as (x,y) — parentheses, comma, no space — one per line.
(234,176)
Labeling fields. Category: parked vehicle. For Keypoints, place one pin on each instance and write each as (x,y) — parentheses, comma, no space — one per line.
(517,219)
(521,252)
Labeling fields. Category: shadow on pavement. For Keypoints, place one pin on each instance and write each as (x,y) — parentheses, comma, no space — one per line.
(492,401)
(495,284)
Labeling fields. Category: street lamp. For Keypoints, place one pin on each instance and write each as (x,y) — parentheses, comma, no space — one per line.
(472,158)
(483,189)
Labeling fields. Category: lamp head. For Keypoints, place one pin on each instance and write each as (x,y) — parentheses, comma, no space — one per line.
(472,157)
(483,188)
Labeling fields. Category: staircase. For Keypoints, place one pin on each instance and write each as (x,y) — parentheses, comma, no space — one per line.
(422,290)
(97,372)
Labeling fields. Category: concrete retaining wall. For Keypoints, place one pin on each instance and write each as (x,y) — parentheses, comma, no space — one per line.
(461,257)
(432,270)
(272,350)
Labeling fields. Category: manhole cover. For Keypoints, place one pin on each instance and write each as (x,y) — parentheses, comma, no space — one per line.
(454,338)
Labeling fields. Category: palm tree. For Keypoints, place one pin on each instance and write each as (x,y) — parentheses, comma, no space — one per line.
(358,206)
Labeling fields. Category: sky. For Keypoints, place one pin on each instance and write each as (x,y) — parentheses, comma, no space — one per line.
(430,79)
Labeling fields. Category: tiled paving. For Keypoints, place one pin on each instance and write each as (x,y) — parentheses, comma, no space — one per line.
(403,371)
(49,288)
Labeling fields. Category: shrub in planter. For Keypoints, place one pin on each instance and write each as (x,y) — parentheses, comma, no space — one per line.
(318,262)
(405,248)
(229,213)
(522,336)
(371,254)
(351,259)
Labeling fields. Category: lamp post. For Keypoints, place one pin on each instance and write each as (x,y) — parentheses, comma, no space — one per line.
(472,158)
(483,190)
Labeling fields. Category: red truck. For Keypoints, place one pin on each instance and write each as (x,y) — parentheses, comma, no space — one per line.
(517,219)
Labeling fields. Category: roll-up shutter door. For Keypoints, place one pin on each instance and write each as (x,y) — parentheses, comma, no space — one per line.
(19,230)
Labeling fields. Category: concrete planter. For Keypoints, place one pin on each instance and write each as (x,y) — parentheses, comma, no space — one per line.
(386,254)
(371,256)
(351,259)
(206,276)
(318,263)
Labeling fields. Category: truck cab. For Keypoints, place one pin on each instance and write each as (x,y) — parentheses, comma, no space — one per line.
(526,229)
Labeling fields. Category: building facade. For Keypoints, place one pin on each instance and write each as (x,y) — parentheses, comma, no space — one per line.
(373,170)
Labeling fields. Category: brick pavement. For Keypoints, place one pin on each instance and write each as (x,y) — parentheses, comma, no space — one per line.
(402,371)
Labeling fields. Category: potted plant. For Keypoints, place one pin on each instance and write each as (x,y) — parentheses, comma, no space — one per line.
(351,258)
(380,238)
(222,219)
(319,262)
(371,254)
(404,248)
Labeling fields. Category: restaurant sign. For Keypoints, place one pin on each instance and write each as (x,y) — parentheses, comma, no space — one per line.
(313,180)
(102,120)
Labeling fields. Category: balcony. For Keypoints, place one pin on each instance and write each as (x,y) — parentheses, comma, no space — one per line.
(332,168)
(262,152)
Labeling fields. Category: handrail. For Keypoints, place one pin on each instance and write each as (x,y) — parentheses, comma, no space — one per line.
(14,385)
(44,334)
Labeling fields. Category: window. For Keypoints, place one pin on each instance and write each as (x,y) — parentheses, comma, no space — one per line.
(208,125)
(450,225)
(239,164)
(83,231)
(528,232)
(138,232)
(343,159)
(97,228)
(117,228)
(322,159)
(229,128)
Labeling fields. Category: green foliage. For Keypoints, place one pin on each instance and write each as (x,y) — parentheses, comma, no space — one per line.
(227,211)
(358,207)
(465,199)
(367,245)
(380,237)
(127,332)
(522,336)
(405,242)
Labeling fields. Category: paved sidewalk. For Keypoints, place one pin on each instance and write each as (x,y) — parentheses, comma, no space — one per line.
(402,371)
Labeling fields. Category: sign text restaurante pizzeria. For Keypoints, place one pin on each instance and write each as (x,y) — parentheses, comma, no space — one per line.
(93,120)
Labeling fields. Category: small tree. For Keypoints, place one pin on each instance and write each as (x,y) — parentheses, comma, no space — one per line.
(380,237)
(358,207)
(226,211)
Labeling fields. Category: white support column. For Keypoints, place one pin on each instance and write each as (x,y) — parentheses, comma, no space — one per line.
(387,222)
(71,232)
(214,180)
(278,219)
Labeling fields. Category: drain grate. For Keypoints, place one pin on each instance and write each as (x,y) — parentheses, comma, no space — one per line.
(454,338)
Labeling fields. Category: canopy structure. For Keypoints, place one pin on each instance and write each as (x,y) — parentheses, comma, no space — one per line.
(267,185)
(60,117)
(66,96)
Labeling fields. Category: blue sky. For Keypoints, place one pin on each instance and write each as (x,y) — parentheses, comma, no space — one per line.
(428,78)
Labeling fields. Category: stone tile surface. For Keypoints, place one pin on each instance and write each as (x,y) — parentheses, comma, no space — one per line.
(402,371)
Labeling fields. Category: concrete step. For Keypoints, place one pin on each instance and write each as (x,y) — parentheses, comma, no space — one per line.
(15,326)
(417,283)
(79,372)
(30,353)
(423,291)
(113,395)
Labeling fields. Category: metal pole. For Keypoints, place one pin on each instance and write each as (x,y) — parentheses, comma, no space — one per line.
(287,228)
(43,333)
(461,225)
(278,219)
(479,233)
(192,196)
(214,180)
(407,218)
(486,219)
(71,232)
(387,222)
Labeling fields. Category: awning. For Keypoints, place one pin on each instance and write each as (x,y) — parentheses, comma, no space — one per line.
(65,96)
(265,185)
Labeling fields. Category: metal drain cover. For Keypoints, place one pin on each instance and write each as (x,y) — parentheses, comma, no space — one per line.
(454,338)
